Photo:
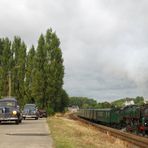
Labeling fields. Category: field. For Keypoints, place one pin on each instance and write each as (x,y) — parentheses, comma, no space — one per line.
(68,133)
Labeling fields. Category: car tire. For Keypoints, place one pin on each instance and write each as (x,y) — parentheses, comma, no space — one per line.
(36,118)
(143,133)
(17,121)
(24,118)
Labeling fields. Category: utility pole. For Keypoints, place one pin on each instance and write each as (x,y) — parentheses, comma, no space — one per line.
(9,75)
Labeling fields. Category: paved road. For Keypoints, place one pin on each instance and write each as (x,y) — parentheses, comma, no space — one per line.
(28,134)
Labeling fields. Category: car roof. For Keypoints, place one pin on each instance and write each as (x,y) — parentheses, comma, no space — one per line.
(8,99)
(30,104)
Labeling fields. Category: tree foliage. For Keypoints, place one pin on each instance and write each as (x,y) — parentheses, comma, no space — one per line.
(84,102)
(36,74)
(120,103)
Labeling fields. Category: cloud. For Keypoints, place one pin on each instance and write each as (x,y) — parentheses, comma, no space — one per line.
(104,42)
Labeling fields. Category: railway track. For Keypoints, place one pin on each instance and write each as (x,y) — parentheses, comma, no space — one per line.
(135,140)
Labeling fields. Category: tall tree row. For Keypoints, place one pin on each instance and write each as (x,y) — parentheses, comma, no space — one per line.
(36,74)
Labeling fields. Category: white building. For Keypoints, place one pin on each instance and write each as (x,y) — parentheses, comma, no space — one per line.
(129,102)
(145,101)
(73,109)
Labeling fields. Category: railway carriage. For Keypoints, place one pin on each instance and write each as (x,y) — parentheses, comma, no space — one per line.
(86,113)
(102,116)
(110,117)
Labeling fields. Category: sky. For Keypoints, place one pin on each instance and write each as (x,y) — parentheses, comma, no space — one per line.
(104,42)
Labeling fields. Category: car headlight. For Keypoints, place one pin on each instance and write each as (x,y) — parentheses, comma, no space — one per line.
(14,112)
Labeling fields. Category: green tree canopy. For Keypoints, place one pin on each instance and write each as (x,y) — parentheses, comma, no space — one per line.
(36,74)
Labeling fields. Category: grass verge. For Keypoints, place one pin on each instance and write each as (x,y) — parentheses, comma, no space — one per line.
(69,133)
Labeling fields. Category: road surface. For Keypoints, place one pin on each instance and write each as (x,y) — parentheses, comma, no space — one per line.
(29,134)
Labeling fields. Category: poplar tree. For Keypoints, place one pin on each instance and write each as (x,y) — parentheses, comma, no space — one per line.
(55,70)
(39,79)
(30,72)
(18,70)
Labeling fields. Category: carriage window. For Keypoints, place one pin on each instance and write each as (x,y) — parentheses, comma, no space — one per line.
(100,114)
(107,114)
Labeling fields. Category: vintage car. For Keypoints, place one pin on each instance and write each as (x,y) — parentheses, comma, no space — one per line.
(42,113)
(9,110)
(30,111)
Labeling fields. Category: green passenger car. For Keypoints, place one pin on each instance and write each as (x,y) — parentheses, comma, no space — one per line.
(108,116)
(104,116)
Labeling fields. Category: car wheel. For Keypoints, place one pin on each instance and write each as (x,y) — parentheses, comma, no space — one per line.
(143,133)
(36,118)
(17,121)
(24,118)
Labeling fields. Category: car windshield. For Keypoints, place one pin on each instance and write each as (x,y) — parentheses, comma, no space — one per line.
(30,107)
(7,104)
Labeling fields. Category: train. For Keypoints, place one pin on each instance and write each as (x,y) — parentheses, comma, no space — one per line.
(133,118)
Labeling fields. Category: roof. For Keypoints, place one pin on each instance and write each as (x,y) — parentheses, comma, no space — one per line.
(30,104)
(104,109)
(8,99)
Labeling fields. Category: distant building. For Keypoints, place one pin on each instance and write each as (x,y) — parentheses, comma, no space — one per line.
(145,101)
(129,102)
(73,109)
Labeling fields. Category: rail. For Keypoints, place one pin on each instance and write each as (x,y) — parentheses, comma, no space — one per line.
(128,137)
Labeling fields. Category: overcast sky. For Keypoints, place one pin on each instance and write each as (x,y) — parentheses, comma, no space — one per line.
(104,42)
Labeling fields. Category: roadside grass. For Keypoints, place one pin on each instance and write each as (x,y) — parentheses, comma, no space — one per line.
(69,133)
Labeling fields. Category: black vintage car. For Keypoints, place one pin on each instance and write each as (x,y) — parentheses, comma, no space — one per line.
(30,111)
(42,113)
(9,110)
